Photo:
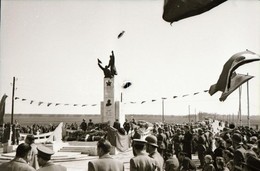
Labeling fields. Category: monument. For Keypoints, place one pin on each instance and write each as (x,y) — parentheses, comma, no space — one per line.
(110,109)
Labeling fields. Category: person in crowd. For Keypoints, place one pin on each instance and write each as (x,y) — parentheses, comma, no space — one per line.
(208,166)
(171,163)
(16,133)
(116,124)
(20,161)
(30,141)
(201,147)
(105,162)
(127,126)
(141,161)
(177,141)
(239,151)
(252,164)
(186,164)
(83,125)
(151,148)
(187,141)
(220,147)
(229,145)
(230,165)
(44,157)
(91,125)
(228,155)
(221,165)
(136,135)
(162,141)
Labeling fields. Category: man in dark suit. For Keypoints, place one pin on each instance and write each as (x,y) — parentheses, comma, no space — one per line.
(105,161)
(151,148)
(20,161)
(187,141)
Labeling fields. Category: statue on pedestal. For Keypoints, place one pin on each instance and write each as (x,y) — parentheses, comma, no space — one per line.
(110,69)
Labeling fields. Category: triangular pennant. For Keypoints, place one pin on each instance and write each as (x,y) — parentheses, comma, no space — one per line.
(24,99)
(236,81)
(94,105)
(175,97)
(153,100)
(40,103)
(75,105)
(143,102)
(16,98)
(84,105)
(31,102)
(196,93)
(185,95)
(57,104)
(49,104)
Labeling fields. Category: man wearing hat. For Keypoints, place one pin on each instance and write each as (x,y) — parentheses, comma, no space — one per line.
(30,141)
(239,153)
(20,161)
(252,164)
(201,147)
(162,141)
(141,161)
(44,157)
(151,148)
(186,163)
(105,162)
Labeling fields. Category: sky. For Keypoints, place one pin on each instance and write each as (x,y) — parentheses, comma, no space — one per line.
(51,48)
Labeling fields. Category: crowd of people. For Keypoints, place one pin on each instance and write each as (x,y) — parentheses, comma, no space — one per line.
(169,147)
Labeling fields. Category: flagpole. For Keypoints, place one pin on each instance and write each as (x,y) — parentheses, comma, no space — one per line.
(248,115)
(239,110)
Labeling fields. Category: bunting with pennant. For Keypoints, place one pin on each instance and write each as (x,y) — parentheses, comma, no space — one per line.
(55,104)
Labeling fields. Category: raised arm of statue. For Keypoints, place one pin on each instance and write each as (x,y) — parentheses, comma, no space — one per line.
(111,64)
(107,72)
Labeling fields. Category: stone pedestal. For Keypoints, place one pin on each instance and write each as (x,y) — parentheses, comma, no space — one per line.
(110,109)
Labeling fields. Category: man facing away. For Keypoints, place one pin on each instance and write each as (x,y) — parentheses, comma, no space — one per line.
(151,148)
(20,161)
(44,157)
(141,161)
(105,162)
(30,141)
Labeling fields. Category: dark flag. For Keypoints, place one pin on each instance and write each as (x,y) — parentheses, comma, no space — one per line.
(236,81)
(2,109)
(223,78)
(174,10)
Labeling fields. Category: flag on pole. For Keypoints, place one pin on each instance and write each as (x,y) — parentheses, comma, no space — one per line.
(174,10)
(223,78)
(236,81)
(2,109)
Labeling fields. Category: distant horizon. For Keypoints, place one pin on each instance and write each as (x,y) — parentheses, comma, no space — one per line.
(192,114)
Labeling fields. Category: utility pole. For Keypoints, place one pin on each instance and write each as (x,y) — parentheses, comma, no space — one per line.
(189,113)
(239,113)
(12,113)
(248,115)
(163,120)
